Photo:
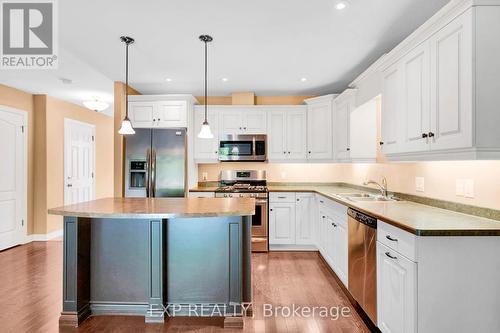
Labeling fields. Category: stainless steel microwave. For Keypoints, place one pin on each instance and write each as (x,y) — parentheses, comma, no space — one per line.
(241,148)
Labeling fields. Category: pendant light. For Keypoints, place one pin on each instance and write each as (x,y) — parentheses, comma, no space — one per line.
(205,132)
(126,128)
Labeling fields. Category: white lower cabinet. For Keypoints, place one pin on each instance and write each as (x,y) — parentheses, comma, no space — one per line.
(282,223)
(304,226)
(396,291)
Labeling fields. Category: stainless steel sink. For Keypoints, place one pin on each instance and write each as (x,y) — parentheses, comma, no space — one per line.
(366,197)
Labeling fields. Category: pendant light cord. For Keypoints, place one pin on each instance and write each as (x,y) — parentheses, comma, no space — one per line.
(126,81)
(206,81)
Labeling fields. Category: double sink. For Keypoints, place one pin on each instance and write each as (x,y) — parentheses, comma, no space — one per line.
(364,197)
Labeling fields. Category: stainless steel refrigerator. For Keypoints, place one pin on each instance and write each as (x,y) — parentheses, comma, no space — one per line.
(155,164)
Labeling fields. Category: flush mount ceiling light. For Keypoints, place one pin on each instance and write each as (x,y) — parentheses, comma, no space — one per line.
(168,79)
(96,105)
(205,132)
(341,5)
(225,79)
(303,79)
(126,128)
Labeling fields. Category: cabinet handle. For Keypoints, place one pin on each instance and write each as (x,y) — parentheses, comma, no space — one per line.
(298,199)
(284,152)
(391,239)
(216,152)
(281,197)
(431,135)
(270,209)
(425,135)
(348,149)
(389,255)
(240,128)
(334,225)
(245,128)
(154,119)
(159,119)
(381,143)
(309,152)
(321,201)
(288,152)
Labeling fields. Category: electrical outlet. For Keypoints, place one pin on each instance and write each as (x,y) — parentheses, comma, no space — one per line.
(420,184)
(469,188)
(204,176)
(460,188)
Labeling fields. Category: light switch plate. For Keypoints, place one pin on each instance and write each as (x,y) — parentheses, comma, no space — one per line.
(420,184)
(459,188)
(469,188)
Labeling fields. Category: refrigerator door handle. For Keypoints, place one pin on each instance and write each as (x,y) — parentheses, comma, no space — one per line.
(153,173)
(148,159)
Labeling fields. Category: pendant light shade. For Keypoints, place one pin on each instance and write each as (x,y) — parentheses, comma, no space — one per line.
(205,132)
(126,128)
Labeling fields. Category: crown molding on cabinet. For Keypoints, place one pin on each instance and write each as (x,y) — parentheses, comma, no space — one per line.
(321,99)
(168,97)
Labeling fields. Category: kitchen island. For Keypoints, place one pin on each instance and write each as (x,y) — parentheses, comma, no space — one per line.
(157,257)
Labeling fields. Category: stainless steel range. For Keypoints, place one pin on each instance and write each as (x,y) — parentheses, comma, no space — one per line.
(249,184)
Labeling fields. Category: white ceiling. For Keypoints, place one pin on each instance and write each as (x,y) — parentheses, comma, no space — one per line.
(264,46)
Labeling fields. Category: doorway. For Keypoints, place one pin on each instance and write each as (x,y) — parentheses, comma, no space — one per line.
(13,177)
(79,162)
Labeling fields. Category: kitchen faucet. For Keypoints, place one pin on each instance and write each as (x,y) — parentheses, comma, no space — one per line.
(383,187)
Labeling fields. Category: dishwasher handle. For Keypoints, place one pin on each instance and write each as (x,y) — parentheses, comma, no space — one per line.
(362,218)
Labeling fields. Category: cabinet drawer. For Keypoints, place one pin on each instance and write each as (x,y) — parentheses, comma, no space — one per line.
(336,209)
(397,240)
(282,197)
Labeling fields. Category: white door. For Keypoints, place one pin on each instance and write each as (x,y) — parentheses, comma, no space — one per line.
(282,223)
(206,150)
(319,131)
(415,112)
(255,121)
(304,233)
(341,250)
(391,93)
(451,85)
(231,122)
(342,144)
(170,114)
(142,114)
(296,136)
(277,135)
(396,292)
(79,162)
(12,178)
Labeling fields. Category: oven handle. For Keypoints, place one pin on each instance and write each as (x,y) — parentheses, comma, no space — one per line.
(262,201)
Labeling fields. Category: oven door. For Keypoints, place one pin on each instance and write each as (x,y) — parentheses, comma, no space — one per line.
(259,220)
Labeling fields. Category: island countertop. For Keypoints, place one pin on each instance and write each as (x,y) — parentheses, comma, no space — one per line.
(158,208)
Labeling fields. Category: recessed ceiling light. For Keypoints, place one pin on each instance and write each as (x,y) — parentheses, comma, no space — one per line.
(168,79)
(303,79)
(225,79)
(340,5)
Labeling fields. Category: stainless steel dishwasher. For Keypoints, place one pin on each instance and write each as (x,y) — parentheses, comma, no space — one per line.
(363,261)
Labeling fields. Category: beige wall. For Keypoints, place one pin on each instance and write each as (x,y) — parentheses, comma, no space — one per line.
(57,110)
(440,177)
(24,101)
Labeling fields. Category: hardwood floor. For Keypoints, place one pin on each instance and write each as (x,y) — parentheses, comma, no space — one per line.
(31,293)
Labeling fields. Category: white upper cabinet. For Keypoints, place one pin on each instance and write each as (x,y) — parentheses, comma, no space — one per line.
(391,106)
(206,150)
(440,88)
(320,128)
(452,85)
(160,111)
(415,115)
(287,140)
(343,105)
(363,132)
(243,120)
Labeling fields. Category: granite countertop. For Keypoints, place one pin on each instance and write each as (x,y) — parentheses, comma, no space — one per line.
(419,219)
(158,208)
(203,189)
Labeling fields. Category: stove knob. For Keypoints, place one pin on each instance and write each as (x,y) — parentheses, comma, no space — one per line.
(230,195)
(241,195)
(225,195)
(252,195)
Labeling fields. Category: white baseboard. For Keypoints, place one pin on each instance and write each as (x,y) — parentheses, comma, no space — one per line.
(45,237)
(292,247)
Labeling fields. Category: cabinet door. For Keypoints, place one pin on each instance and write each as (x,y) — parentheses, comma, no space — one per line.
(415,112)
(141,114)
(342,112)
(319,131)
(171,114)
(340,250)
(254,122)
(296,137)
(322,230)
(304,233)
(282,223)
(206,150)
(396,292)
(451,85)
(277,136)
(330,240)
(231,122)
(391,93)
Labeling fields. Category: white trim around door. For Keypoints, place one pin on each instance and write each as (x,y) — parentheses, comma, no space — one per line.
(79,161)
(14,177)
